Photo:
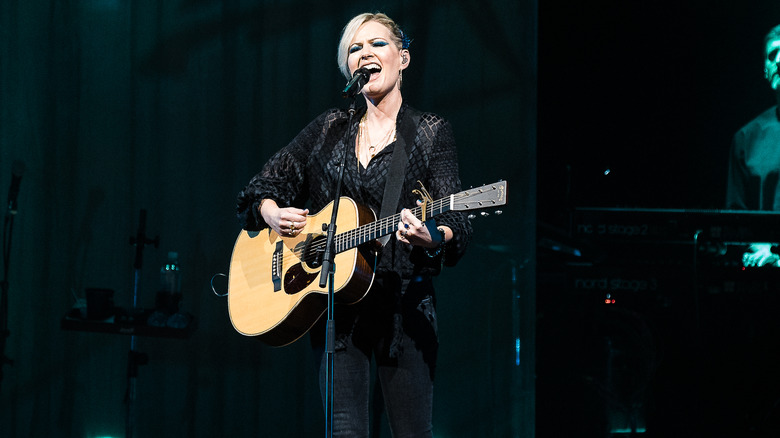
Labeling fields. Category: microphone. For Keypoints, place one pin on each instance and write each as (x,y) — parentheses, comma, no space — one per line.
(359,79)
(17,170)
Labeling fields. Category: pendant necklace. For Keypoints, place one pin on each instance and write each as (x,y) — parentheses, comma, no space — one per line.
(366,140)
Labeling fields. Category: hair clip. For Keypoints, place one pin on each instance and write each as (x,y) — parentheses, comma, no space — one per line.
(405,41)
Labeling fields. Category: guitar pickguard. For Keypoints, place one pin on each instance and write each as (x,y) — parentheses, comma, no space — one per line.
(297,279)
(300,275)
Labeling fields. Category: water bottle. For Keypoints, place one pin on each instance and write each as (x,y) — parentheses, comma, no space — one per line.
(170,284)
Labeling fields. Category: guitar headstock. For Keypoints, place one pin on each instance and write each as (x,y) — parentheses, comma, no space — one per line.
(487,196)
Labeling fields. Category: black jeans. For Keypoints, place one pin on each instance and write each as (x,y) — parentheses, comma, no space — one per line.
(405,373)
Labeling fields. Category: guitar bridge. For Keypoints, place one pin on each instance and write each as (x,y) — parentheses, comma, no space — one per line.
(276,266)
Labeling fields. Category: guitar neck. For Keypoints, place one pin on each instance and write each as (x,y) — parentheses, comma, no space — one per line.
(382,227)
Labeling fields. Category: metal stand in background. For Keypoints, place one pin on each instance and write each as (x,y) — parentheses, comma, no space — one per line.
(8,227)
(134,358)
(521,318)
(523,372)
(17,171)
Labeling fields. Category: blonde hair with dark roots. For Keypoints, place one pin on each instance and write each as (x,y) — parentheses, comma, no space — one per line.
(351,29)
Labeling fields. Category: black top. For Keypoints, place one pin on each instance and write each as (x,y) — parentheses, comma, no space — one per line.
(305,173)
(754,165)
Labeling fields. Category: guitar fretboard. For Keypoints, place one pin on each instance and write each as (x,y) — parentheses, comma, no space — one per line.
(382,227)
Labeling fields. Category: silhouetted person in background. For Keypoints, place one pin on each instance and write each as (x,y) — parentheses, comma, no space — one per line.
(754,162)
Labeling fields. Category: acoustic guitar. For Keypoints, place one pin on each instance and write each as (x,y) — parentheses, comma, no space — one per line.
(273,286)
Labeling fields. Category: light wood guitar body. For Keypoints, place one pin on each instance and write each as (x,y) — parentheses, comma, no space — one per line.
(273,287)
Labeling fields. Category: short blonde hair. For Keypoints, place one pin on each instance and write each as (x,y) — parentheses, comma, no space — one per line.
(351,29)
(773,34)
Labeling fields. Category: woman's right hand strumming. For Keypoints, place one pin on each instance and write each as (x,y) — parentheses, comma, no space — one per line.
(287,221)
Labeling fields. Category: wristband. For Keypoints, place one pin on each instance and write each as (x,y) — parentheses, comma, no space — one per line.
(433,252)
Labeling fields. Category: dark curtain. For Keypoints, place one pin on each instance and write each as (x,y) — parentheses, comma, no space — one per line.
(119,106)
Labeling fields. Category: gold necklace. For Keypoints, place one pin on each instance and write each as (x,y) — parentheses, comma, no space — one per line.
(366,140)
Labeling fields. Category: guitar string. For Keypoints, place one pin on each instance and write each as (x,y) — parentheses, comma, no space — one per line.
(356,233)
(341,239)
(375,226)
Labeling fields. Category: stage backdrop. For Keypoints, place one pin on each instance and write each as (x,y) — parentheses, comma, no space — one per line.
(119,106)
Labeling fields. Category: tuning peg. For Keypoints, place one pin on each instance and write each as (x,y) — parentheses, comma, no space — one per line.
(485,214)
(472,216)
(498,212)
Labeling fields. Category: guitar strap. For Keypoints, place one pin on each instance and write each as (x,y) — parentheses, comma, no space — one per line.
(397,170)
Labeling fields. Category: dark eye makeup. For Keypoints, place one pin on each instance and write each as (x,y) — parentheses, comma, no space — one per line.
(376,43)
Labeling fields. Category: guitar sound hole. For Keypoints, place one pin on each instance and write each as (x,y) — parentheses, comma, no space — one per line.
(313,252)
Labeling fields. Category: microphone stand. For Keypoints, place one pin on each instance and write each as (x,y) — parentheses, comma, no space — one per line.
(326,276)
(134,358)
(8,227)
